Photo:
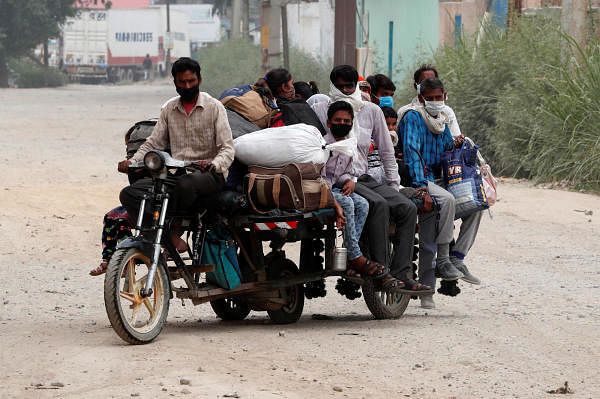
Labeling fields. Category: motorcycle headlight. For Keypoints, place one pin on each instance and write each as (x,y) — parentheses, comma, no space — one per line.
(153,161)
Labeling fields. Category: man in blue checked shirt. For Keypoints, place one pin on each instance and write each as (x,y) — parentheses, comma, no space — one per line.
(425,135)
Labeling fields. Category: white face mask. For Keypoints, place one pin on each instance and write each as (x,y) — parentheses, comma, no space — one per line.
(434,107)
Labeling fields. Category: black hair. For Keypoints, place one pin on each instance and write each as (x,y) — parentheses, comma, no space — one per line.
(389,112)
(380,81)
(346,72)
(185,64)
(339,106)
(275,78)
(431,84)
(423,68)
(303,89)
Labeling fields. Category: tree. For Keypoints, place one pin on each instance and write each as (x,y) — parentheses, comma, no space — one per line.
(26,23)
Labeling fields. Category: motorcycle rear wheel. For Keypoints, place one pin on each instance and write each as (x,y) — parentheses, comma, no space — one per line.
(135,319)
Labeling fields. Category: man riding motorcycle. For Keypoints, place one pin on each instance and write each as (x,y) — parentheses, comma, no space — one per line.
(195,127)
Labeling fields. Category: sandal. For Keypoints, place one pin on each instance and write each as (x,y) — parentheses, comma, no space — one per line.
(101,269)
(371,269)
(415,288)
(351,272)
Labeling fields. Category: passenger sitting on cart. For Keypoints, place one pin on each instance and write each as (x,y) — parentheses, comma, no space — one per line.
(336,172)
(196,128)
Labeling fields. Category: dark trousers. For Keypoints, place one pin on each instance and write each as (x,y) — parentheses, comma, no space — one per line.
(385,205)
(187,192)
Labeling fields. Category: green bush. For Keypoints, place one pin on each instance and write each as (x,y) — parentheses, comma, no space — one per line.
(239,62)
(534,113)
(28,74)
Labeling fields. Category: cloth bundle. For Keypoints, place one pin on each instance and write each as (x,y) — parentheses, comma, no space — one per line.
(280,146)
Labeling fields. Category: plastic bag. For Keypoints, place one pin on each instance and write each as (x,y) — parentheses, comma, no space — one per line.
(279,146)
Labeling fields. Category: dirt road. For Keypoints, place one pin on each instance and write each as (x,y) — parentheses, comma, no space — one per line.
(532,325)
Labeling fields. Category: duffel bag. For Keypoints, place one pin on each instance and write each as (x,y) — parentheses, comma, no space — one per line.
(462,177)
(297,186)
(252,106)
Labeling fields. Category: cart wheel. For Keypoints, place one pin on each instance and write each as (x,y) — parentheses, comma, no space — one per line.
(294,295)
(384,305)
(230,309)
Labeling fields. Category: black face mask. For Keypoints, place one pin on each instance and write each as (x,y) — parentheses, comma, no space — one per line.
(340,129)
(188,95)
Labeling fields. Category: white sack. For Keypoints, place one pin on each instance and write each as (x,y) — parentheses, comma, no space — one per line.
(279,146)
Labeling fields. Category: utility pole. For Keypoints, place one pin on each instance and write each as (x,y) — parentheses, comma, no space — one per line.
(236,18)
(284,34)
(246,19)
(573,19)
(345,33)
(271,33)
(169,39)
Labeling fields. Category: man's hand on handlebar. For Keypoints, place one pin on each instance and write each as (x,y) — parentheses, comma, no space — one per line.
(459,140)
(205,165)
(123,166)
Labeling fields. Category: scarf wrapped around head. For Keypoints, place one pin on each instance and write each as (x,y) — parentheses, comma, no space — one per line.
(354,99)
(435,125)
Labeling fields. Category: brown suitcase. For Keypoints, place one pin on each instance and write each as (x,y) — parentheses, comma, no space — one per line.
(297,186)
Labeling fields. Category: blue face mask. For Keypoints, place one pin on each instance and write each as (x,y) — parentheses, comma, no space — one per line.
(387,101)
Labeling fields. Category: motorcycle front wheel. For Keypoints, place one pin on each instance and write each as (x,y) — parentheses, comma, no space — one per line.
(135,319)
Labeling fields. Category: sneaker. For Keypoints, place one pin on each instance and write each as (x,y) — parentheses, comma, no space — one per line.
(427,302)
(467,276)
(446,271)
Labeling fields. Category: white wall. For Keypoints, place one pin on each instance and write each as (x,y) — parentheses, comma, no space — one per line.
(312,28)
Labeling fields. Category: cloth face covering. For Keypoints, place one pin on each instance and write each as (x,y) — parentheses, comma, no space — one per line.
(340,129)
(434,107)
(189,94)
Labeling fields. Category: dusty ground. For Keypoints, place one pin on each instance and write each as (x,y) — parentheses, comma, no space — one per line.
(532,325)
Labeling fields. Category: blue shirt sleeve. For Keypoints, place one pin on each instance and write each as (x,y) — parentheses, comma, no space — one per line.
(447,139)
(411,141)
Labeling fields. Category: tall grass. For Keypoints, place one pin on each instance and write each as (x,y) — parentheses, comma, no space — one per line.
(535,113)
(239,62)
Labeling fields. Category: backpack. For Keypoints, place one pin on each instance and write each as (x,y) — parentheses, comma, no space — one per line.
(251,104)
(298,111)
(137,135)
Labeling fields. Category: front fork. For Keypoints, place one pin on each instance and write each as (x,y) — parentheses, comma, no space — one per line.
(147,290)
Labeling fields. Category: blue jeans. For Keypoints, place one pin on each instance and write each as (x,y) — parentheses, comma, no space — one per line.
(356,209)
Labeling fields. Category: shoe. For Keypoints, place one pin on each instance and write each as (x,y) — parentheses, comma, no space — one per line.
(446,271)
(461,267)
(427,302)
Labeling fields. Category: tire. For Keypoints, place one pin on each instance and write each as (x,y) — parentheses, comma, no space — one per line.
(230,309)
(292,310)
(384,305)
(121,298)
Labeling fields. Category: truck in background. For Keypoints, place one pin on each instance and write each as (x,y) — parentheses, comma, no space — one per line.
(110,45)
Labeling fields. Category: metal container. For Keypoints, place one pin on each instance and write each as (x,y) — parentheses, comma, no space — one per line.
(340,258)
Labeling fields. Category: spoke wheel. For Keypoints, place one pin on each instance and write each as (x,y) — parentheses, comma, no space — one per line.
(230,309)
(384,305)
(134,318)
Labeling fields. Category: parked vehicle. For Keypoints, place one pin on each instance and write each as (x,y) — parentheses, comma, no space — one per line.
(146,271)
(105,45)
